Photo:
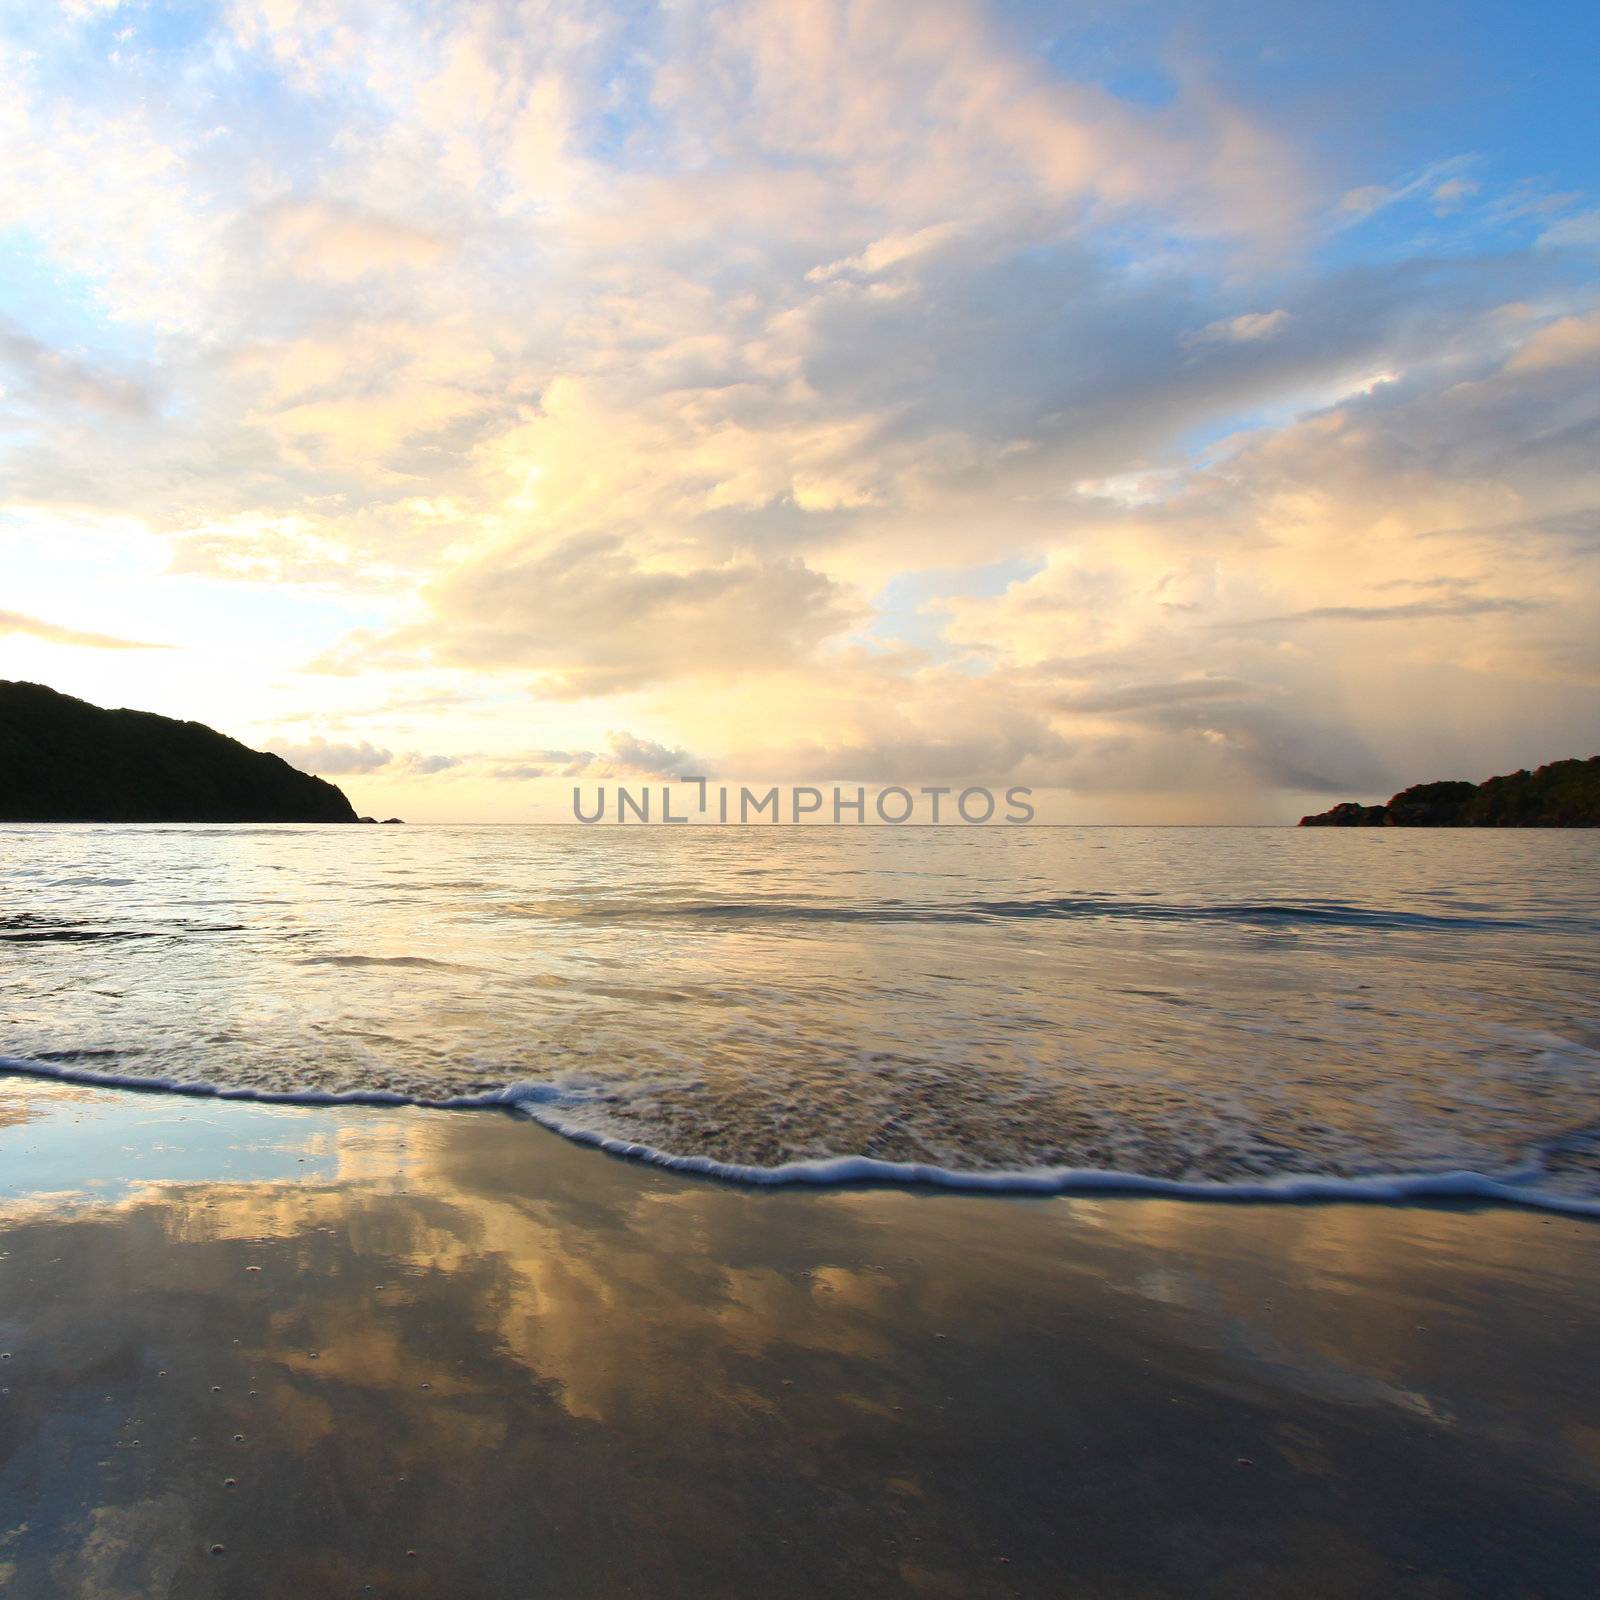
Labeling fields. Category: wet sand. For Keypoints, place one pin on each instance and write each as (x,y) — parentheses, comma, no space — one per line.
(421,1354)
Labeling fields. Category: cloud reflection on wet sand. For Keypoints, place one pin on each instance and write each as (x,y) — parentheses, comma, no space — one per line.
(545,1371)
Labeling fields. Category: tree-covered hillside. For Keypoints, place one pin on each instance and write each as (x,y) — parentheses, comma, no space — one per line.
(64,760)
(1565,794)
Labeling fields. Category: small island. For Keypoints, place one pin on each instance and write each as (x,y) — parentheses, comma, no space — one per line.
(1564,794)
(64,760)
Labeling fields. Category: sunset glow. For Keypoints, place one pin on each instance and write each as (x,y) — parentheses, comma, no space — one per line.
(1190,415)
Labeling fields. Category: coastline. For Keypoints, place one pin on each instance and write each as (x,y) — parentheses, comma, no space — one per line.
(547,1371)
(539,1103)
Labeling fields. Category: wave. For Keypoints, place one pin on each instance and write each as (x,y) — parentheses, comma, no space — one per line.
(542,1102)
(375,961)
(29,929)
(1057,908)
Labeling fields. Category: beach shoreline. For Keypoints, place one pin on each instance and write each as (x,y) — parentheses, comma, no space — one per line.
(441,1354)
(527,1101)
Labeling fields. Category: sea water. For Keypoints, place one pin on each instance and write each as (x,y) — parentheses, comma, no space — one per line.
(1239,1011)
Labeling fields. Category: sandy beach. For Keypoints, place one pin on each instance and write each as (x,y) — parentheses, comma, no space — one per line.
(261,1351)
(799,800)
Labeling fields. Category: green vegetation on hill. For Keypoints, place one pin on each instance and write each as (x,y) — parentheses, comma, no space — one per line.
(1565,794)
(64,760)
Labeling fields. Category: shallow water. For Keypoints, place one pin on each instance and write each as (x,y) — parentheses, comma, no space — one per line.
(1241,1007)
(446,1357)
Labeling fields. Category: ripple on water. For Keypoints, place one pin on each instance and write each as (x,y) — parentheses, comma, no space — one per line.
(1257,1009)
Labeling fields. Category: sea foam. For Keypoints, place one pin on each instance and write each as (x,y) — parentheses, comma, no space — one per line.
(540,1103)
(1248,1014)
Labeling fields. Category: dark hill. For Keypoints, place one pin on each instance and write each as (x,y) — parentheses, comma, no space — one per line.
(64,760)
(1565,794)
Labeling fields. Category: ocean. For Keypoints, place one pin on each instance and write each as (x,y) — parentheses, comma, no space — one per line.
(1243,1012)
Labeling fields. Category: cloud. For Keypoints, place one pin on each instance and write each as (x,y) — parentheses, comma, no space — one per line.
(13,622)
(345,241)
(550,763)
(326,759)
(422,766)
(1249,328)
(625,755)
(1565,342)
(1581,230)
(1410,611)
(1363,201)
(882,254)
(593,619)
(651,758)
(1442,183)
(331,760)
(1155,696)
(1174,634)
(1452,194)
(51,378)
(826,388)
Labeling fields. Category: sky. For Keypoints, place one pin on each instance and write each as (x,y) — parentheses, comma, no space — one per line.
(1190,411)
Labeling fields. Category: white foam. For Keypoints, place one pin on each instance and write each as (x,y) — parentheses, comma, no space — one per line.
(539,1102)
(1513,1188)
